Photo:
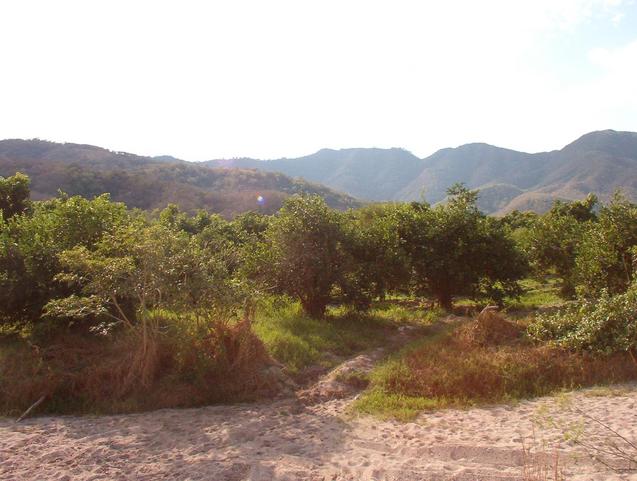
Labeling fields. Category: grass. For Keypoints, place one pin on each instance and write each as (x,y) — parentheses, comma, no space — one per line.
(187,360)
(536,294)
(607,391)
(455,369)
(386,405)
(299,341)
(178,365)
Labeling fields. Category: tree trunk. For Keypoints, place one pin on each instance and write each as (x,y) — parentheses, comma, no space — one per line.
(314,307)
(444,300)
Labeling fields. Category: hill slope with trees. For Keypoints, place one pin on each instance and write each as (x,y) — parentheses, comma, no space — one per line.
(152,182)
(598,162)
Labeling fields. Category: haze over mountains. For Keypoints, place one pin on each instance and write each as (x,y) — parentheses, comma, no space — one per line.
(598,162)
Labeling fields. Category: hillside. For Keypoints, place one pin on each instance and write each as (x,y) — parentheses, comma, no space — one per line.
(151,183)
(598,162)
(370,174)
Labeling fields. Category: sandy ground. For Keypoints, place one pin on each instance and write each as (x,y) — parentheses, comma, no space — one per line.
(314,437)
(289,441)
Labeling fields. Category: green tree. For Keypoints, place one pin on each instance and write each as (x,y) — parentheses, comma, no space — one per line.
(375,262)
(605,256)
(146,267)
(302,255)
(31,242)
(552,241)
(454,250)
(14,195)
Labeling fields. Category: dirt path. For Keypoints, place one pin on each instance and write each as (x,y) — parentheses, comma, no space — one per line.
(310,437)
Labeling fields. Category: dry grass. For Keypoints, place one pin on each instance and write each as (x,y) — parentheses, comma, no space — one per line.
(489,329)
(541,463)
(486,361)
(128,372)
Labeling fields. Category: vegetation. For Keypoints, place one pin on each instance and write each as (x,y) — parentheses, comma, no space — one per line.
(452,250)
(590,340)
(508,180)
(300,341)
(109,309)
(483,362)
(151,183)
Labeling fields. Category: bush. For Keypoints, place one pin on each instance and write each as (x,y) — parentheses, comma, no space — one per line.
(302,255)
(604,325)
(454,250)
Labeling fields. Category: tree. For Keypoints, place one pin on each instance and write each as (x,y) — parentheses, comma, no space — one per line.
(146,267)
(14,195)
(302,255)
(605,256)
(454,249)
(552,241)
(31,242)
(375,262)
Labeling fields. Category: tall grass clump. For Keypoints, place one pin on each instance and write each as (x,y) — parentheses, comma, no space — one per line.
(180,364)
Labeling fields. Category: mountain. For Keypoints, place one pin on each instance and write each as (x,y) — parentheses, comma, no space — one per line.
(152,183)
(598,162)
(371,174)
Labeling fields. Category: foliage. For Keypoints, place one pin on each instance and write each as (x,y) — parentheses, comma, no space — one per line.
(31,242)
(453,249)
(146,268)
(376,264)
(606,253)
(303,254)
(551,242)
(607,324)
(14,195)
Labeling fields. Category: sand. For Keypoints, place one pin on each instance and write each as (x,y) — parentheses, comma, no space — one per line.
(314,436)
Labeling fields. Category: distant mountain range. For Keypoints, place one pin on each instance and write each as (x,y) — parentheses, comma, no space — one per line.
(152,182)
(598,162)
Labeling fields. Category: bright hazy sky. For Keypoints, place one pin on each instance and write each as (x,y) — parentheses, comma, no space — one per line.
(212,79)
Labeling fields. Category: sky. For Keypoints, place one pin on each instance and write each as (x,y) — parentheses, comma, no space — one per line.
(266,79)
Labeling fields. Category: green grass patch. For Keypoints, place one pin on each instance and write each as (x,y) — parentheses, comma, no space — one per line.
(537,294)
(398,406)
(298,341)
(405,311)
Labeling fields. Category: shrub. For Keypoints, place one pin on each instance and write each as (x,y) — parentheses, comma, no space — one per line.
(302,255)
(605,325)
(453,249)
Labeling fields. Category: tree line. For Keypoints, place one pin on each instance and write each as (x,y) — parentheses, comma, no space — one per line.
(94,264)
(77,260)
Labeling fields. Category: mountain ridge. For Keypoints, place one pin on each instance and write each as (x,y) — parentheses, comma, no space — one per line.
(598,162)
(152,182)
